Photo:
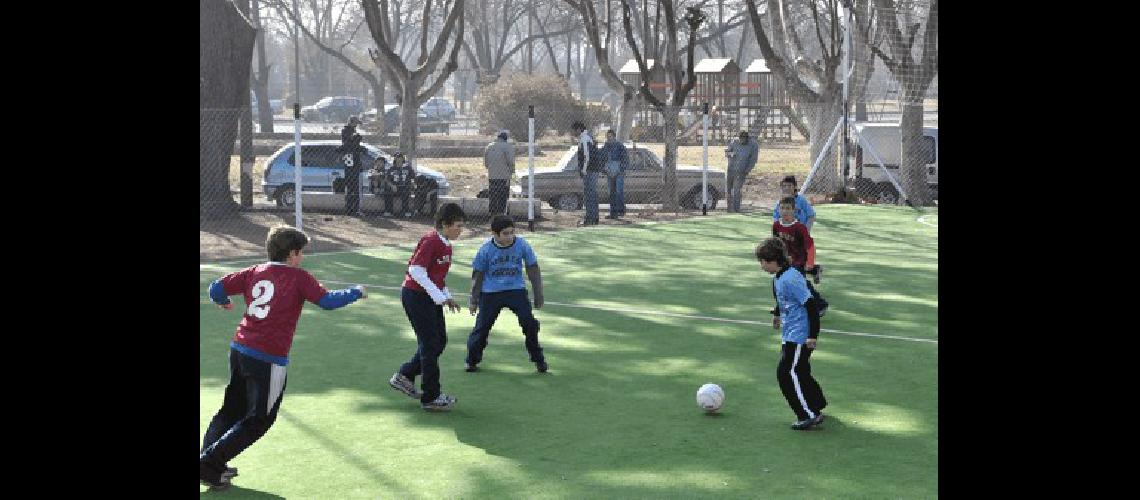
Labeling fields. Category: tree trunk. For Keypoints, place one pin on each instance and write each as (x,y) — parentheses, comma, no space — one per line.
(914,152)
(409,120)
(827,114)
(225,42)
(378,93)
(669,169)
(261,80)
(628,109)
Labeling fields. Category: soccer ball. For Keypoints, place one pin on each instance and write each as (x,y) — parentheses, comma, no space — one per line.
(710,397)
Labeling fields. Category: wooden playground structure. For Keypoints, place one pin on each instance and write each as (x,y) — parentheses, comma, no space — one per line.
(758,104)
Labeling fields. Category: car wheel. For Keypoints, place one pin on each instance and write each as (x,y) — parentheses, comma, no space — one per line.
(430,204)
(888,195)
(865,188)
(571,201)
(286,196)
(692,199)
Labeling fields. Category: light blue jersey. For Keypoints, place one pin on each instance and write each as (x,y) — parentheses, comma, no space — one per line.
(791,295)
(502,268)
(804,211)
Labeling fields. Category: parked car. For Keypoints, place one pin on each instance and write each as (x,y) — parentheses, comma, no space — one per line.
(275,105)
(333,109)
(869,176)
(426,123)
(322,168)
(369,116)
(561,187)
(438,108)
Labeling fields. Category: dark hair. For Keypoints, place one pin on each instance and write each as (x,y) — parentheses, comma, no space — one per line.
(789,178)
(501,222)
(611,131)
(448,214)
(773,249)
(282,240)
(577,126)
(788,200)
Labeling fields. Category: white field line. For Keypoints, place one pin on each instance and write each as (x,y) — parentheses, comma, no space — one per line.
(668,314)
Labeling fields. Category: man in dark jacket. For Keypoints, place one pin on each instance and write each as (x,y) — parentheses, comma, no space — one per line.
(589,166)
(350,149)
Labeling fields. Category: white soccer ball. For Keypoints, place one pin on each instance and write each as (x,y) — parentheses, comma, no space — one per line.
(710,397)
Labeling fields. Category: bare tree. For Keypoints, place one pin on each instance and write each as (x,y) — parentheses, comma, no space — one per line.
(914,77)
(593,25)
(801,70)
(225,53)
(409,81)
(261,78)
(863,35)
(495,37)
(667,61)
(371,74)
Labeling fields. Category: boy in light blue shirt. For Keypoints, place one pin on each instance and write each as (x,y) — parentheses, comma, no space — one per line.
(497,283)
(804,211)
(797,317)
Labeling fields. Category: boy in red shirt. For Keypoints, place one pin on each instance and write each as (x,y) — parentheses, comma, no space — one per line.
(423,295)
(274,294)
(800,246)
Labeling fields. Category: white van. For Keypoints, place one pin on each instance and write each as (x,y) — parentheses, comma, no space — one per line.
(869,176)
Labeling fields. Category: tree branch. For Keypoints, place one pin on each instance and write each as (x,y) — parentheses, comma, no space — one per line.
(424,32)
(428,66)
(644,87)
(451,66)
(776,63)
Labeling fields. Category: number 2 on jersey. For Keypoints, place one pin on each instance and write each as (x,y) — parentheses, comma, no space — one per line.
(262,293)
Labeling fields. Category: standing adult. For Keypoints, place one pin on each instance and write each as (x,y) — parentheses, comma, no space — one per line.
(351,150)
(617,161)
(499,159)
(588,170)
(742,154)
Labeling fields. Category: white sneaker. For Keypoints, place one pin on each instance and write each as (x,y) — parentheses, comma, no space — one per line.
(403,384)
(441,403)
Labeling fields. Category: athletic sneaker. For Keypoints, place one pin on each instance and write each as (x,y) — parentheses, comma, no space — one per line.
(401,383)
(471,367)
(441,403)
(818,419)
(541,365)
(804,424)
(209,476)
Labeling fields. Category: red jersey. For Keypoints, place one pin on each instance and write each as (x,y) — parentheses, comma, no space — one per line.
(801,248)
(433,254)
(274,294)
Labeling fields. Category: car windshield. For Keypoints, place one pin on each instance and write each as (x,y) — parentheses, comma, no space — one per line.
(564,162)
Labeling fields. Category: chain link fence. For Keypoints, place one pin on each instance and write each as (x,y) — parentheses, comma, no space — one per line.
(447,169)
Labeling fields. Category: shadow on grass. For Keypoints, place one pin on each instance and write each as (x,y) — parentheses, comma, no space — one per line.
(616,417)
(236,491)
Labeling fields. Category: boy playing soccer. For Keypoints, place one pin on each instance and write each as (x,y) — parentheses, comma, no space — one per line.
(259,352)
(804,212)
(496,282)
(423,295)
(801,246)
(799,330)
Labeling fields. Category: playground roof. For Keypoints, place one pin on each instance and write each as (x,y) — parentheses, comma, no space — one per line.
(758,66)
(726,65)
(631,66)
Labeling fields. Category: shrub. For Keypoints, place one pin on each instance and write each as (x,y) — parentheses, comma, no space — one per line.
(503,105)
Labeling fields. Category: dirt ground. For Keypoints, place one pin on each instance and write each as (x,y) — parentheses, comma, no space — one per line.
(242,234)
